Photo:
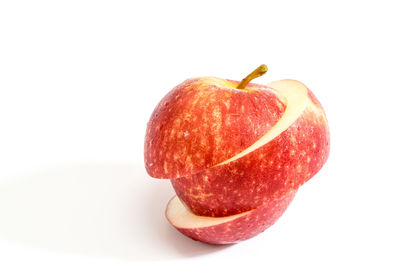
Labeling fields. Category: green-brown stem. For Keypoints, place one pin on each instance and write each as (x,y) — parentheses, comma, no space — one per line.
(261,70)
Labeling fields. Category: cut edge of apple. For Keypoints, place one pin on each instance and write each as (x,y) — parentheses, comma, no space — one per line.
(181,217)
(296,99)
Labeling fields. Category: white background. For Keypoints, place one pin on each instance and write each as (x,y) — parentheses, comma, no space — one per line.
(79,80)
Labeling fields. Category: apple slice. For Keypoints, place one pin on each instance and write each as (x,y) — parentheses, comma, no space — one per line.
(229,229)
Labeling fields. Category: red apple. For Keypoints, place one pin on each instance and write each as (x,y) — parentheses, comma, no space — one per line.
(231,147)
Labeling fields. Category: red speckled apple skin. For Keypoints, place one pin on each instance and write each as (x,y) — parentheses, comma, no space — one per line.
(200,124)
(242,228)
(196,126)
(280,166)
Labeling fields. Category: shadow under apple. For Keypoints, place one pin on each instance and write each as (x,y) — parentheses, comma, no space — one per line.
(101,209)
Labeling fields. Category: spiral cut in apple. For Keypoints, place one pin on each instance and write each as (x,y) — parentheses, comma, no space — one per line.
(234,149)
(228,229)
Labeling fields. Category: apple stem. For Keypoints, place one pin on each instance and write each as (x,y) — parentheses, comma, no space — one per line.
(261,70)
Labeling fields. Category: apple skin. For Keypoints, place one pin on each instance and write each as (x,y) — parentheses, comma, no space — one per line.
(201,108)
(200,123)
(228,151)
(282,165)
(241,228)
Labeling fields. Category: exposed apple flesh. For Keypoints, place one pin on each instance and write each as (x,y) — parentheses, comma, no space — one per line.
(282,160)
(229,229)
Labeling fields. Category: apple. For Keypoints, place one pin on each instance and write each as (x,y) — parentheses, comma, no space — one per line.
(228,229)
(231,148)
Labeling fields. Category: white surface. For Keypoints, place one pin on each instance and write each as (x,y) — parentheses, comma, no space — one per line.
(78,82)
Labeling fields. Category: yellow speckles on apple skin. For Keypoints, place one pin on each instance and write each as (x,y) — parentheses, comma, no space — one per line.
(177,123)
(287,167)
(217,114)
(165,167)
(227,104)
(201,195)
(314,145)
(299,168)
(227,121)
(198,194)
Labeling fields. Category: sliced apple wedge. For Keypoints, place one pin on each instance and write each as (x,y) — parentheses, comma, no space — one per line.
(229,229)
